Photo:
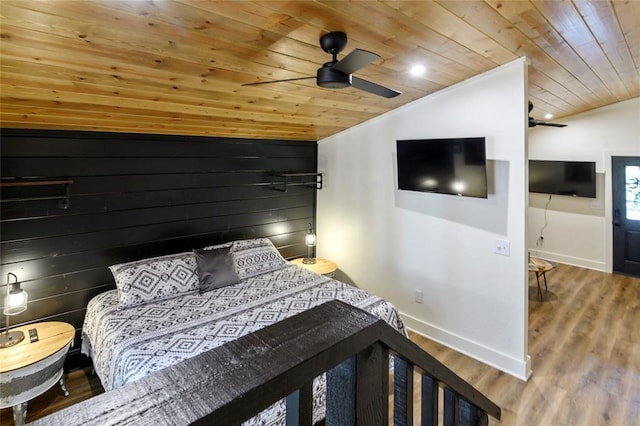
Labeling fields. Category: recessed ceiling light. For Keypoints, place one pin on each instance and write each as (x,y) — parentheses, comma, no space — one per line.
(417,70)
(548,116)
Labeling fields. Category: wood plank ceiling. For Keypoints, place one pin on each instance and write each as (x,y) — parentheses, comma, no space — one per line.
(177,67)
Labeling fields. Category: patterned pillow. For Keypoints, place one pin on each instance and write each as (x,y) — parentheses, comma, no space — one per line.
(155,279)
(256,257)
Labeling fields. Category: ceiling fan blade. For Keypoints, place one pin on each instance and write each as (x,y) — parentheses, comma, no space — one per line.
(355,60)
(543,123)
(374,88)
(533,123)
(277,81)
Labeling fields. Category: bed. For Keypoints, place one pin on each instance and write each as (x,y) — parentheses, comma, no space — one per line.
(166,310)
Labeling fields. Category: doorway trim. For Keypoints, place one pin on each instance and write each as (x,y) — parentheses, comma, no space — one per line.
(608,203)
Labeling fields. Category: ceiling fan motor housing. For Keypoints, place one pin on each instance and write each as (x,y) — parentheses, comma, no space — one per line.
(332,79)
(333,42)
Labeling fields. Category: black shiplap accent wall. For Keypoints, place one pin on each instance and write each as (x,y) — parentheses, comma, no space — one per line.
(137,196)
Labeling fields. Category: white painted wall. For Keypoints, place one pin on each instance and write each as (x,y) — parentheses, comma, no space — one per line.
(578,230)
(392,242)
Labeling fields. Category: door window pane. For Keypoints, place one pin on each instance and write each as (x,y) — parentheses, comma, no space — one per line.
(632,184)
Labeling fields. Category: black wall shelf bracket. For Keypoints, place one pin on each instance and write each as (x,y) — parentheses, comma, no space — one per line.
(297,179)
(64,200)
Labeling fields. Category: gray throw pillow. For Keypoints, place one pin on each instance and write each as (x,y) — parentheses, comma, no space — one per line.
(215,268)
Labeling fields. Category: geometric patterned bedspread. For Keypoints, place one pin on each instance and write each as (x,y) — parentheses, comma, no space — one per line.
(126,344)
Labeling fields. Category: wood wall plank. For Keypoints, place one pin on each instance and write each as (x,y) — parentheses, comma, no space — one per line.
(135,196)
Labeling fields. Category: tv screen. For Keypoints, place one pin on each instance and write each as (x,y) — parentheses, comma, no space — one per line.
(574,178)
(446,166)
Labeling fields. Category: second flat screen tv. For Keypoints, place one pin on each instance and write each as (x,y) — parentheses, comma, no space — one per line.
(455,166)
(573,178)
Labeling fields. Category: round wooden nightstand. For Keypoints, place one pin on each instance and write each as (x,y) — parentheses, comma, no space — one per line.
(29,369)
(322,266)
(540,267)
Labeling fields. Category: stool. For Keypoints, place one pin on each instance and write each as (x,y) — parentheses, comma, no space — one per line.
(540,267)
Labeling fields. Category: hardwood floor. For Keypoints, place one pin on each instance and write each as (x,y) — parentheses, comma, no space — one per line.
(584,342)
(81,385)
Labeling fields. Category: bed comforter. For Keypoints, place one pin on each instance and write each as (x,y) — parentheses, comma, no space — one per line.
(126,344)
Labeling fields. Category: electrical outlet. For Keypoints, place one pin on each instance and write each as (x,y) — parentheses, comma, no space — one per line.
(419,296)
(596,204)
(502,247)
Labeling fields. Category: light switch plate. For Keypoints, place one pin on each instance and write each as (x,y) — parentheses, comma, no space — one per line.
(502,247)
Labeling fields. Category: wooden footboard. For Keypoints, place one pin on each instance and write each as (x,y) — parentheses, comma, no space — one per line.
(233,382)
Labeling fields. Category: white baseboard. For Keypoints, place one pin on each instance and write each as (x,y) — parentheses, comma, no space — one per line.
(520,369)
(570,260)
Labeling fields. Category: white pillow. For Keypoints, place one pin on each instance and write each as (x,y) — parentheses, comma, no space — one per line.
(155,279)
(256,257)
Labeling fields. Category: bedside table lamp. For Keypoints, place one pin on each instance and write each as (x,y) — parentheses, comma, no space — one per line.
(15,302)
(310,242)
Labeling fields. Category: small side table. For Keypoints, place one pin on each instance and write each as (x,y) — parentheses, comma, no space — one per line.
(540,267)
(29,369)
(322,266)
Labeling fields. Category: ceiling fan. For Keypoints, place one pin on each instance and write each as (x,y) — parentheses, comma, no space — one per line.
(338,74)
(533,122)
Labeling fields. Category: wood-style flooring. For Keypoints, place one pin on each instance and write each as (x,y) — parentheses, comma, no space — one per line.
(81,385)
(584,342)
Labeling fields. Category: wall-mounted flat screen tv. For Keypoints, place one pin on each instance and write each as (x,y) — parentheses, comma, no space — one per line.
(573,178)
(455,166)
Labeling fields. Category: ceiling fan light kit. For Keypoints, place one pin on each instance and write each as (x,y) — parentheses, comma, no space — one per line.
(337,74)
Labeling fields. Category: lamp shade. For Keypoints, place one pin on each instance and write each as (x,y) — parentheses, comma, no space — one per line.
(310,242)
(310,238)
(15,301)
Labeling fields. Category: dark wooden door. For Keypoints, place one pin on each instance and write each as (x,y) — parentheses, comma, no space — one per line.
(625,175)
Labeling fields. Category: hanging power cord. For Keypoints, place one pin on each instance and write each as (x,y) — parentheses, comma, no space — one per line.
(540,239)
